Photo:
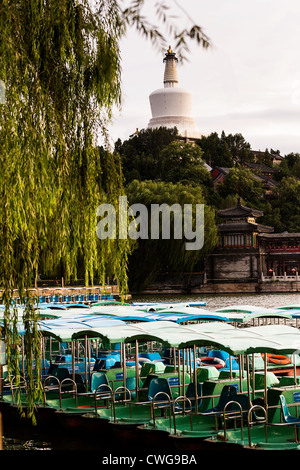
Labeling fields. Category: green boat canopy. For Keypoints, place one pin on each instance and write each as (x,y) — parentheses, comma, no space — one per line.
(278,339)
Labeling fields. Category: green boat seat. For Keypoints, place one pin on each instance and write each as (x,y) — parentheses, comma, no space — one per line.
(260,380)
(225,374)
(151,368)
(207,373)
(259,363)
(287,380)
(169,368)
(147,368)
(159,367)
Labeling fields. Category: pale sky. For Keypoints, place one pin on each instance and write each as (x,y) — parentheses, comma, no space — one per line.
(248,82)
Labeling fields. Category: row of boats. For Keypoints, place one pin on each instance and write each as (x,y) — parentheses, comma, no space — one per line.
(177,376)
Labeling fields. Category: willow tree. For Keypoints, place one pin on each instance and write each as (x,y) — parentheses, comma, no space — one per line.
(61,68)
(165,252)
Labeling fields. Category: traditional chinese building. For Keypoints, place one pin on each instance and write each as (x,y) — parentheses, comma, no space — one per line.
(280,253)
(261,173)
(248,251)
(218,175)
(248,257)
(237,256)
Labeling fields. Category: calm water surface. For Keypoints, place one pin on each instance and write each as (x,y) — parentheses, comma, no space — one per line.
(18,439)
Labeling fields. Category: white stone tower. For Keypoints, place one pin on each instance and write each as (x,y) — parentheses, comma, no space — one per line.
(171,106)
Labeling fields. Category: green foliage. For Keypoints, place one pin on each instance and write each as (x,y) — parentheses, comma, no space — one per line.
(272,217)
(215,151)
(142,154)
(224,151)
(50,184)
(288,203)
(165,13)
(290,166)
(153,256)
(182,162)
(60,65)
(242,181)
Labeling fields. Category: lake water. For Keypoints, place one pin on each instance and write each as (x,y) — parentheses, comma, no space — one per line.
(215,301)
(16,439)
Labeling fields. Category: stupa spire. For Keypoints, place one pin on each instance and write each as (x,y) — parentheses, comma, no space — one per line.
(171,106)
(170,75)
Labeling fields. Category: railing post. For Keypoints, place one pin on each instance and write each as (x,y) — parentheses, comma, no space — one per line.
(102,394)
(153,406)
(250,422)
(124,390)
(182,398)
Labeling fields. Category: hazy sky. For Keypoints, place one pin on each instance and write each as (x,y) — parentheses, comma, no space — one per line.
(248,82)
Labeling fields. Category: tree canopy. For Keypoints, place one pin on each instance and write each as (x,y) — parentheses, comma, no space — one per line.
(182,162)
(61,68)
(242,181)
(152,256)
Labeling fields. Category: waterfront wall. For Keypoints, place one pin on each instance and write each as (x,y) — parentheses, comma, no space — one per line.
(225,288)
(232,265)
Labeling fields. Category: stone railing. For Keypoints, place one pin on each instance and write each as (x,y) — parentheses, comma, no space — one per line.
(290,278)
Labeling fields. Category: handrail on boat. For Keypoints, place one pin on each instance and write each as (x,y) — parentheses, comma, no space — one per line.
(178,399)
(124,390)
(233,413)
(250,423)
(50,387)
(161,402)
(12,378)
(59,388)
(102,394)
(73,391)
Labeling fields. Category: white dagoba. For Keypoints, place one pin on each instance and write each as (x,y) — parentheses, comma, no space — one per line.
(171,106)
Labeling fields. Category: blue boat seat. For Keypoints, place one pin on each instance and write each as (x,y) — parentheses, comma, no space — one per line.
(99,378)
(130,385)
(243,401)
(145,384)
(158,388)
(228,393)
(61,373)
(154,356)
(79,383)
(190,394)
(288,419)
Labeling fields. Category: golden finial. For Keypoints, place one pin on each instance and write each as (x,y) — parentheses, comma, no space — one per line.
(170,50)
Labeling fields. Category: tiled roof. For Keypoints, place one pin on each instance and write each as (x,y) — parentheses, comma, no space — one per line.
(239,211)
(245,227)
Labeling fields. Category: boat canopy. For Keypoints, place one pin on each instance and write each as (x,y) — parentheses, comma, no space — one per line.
(124,324)
(280,339)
